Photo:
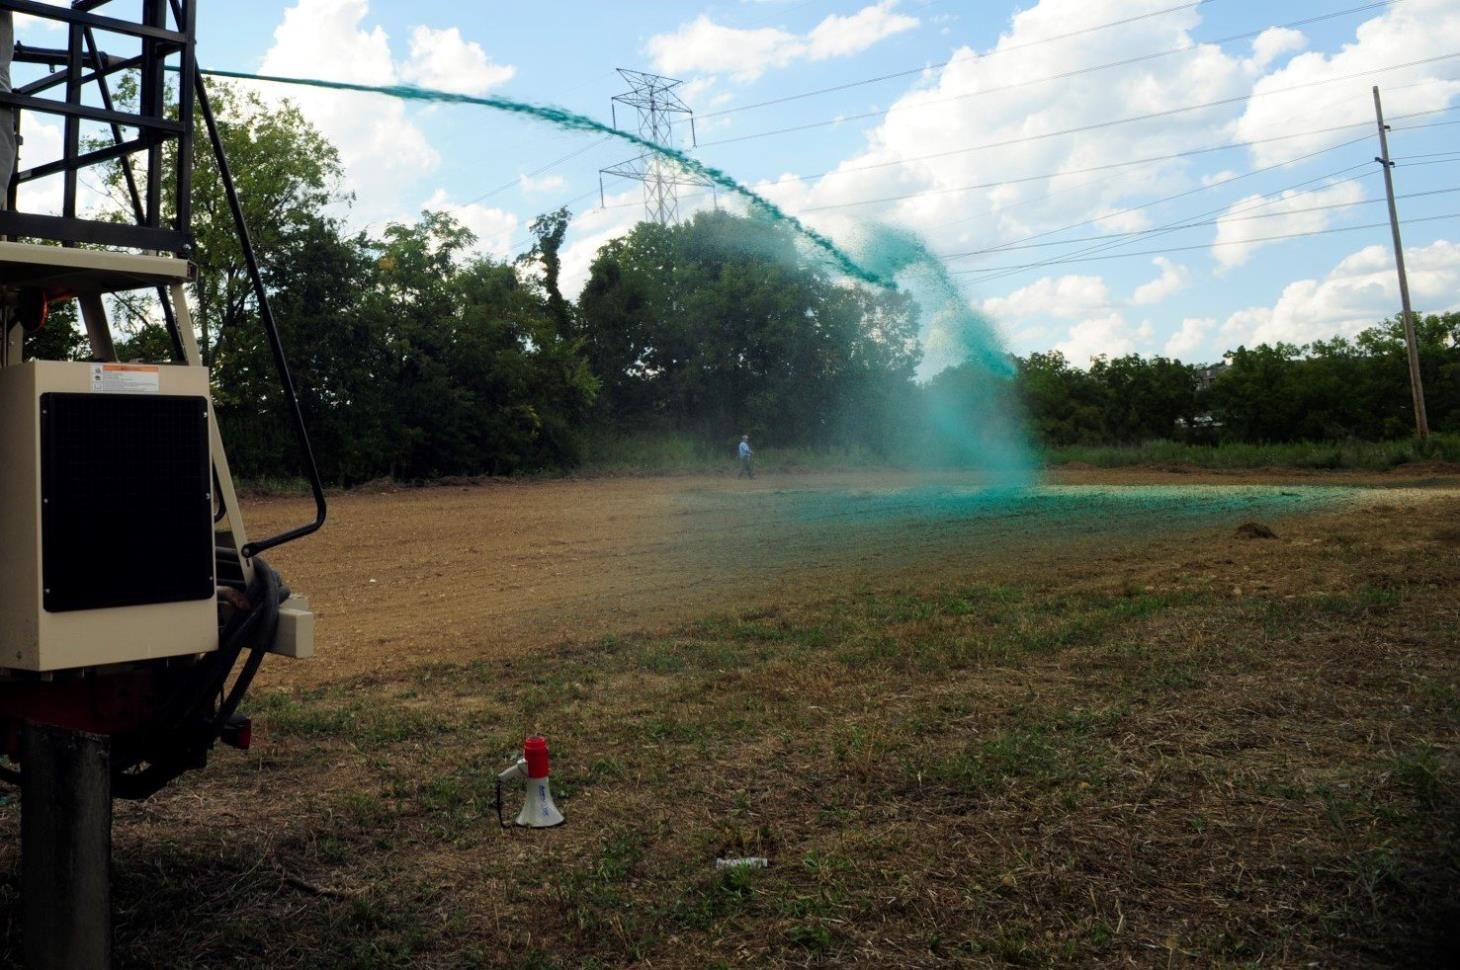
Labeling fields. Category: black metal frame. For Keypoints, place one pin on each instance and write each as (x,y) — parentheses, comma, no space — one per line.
(166,43)
(159,43)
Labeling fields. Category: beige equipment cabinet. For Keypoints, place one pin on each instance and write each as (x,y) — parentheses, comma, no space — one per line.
(43,629)
(118,479)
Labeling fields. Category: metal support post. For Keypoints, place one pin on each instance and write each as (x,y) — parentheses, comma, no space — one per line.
(65,849)
(1411,340)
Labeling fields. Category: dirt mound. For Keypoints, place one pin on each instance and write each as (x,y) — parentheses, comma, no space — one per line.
(1255,530)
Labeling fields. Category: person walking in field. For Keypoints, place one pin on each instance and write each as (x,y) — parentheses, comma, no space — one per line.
(747,468)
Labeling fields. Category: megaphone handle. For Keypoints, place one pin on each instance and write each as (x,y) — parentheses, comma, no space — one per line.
(516,771)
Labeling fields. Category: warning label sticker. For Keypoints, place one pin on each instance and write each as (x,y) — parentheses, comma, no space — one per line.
(126,379)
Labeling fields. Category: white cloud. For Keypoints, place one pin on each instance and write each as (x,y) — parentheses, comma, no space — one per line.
(1069,297)
(920,149)
(1253,218)
(1274,43)
(543,183)
(1110,335)
(1359,292)
(1405,32)
(926,148)
(1189,342)
(445,61)
(382,150)
(1173,279)
(495,229)
(844,36)
(24,22)
(705,47)
(1124,221)
(41,142)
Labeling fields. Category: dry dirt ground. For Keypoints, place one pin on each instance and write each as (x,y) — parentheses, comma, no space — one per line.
(402,577)
(1095,725)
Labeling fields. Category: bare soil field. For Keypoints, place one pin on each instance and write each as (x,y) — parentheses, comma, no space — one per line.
(402,577)
(1133,718)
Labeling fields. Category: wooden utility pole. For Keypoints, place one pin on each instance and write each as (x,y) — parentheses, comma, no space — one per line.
(1416,384)
(65,849)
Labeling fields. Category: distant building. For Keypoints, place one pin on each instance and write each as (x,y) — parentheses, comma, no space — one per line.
(1207,376)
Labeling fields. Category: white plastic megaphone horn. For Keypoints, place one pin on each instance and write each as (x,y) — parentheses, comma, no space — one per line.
(538,810)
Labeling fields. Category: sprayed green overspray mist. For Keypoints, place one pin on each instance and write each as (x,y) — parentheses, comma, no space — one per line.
(973,424)
(1003,519)
(972,418)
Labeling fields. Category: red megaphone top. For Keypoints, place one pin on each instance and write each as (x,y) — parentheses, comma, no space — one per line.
(535,750)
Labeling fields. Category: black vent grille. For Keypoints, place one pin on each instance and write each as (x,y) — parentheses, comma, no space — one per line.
(127,511)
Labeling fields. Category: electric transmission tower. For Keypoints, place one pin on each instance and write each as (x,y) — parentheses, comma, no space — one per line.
(659,109)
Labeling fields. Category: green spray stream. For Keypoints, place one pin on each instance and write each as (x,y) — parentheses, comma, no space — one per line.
(980,423)
(572,121)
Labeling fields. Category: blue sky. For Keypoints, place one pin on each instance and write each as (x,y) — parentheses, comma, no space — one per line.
(983,73)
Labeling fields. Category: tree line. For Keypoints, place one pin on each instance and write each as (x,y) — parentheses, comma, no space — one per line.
(415,356)
(1328,390)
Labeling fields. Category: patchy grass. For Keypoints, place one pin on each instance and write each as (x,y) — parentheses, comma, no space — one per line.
(1241,755)
(672,454)
(1321,455)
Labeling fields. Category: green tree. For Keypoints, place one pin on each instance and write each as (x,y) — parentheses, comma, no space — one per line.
(478,377)
(1144,399)
(1063,404)
(286,174)
(720,325)
(61,338)
(548,231)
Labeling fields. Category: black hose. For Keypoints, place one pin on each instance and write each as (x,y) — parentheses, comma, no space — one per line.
(275,594)
(191,722)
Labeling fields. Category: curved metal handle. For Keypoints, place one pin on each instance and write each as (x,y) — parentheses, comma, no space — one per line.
(271,330)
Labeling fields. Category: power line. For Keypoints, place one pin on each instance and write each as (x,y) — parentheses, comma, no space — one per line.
(1212,245)
(1065,75)
(1189,153)
(538,171)
(1108,124)
(1169,227)
(1213,185)
(923,193)
(941,64)
(1149,116)
(1096,126)
(1225,220)
(1198,190)
(1277,197)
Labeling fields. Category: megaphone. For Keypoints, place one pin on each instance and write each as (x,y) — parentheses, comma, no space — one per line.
(538,810)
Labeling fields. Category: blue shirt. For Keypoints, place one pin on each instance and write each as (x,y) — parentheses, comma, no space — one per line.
(744,449)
